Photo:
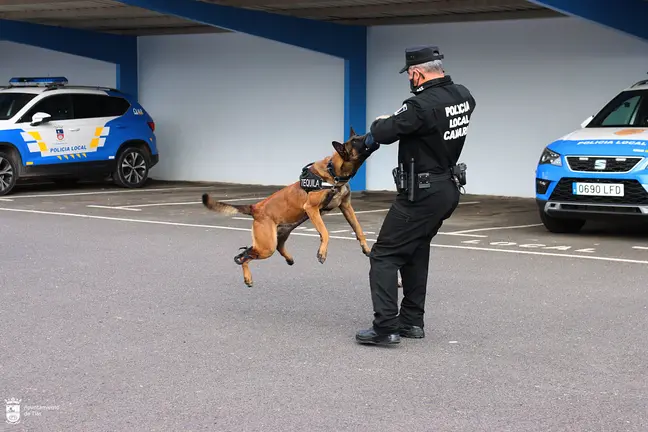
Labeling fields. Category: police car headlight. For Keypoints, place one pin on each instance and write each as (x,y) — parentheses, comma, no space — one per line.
(550,157)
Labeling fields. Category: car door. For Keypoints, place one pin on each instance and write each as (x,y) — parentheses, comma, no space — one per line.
(58,138)
(94,112)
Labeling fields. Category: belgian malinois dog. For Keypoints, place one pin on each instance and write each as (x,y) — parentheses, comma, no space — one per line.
(276,216)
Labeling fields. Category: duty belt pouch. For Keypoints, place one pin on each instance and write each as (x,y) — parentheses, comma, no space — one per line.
(400,178)
(459,173)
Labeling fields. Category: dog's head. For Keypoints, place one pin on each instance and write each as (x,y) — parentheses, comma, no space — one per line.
(355,150)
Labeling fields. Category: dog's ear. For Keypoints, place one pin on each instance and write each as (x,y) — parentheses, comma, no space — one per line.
(352,132)
(339,147)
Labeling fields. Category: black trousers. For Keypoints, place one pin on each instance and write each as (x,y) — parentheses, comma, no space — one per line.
(403,245)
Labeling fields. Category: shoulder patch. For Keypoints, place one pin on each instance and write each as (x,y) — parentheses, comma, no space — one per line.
(401,109)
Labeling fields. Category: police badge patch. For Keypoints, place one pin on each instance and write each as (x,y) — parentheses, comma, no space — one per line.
(401,109)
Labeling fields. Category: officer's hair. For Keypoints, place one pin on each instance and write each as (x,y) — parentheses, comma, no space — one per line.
(434,66)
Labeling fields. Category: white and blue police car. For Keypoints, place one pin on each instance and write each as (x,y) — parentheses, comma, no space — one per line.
(52,130)
(600,170)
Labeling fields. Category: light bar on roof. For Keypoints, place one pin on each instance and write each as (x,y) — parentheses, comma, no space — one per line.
(36,81)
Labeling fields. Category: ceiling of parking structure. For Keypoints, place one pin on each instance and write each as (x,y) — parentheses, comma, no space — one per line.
(99,15)
(115,17)
(385,12)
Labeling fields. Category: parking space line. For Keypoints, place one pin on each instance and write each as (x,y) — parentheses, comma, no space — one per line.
(514,251)
(137,207)
(493,229)
(384,210)
(120,191)
(192,202)
(461,234)
(180,224)
(110,207)
(640,247)
(357,212)
(80,215)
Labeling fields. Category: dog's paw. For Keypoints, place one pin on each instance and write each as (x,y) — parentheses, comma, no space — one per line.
(321,257)
(290,261)
(249,283)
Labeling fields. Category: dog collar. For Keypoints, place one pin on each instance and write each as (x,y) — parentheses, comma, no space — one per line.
(337,179)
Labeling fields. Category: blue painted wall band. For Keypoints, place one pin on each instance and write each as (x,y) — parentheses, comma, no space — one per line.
(628,16)
(343,41)
(117,49)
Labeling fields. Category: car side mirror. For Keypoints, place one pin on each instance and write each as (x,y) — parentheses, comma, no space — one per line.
(40,117)
(587,121)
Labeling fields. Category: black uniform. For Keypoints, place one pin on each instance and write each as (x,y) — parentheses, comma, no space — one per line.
(431,127)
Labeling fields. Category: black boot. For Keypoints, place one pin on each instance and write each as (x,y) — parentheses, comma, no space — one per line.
(370,336)
(412,332)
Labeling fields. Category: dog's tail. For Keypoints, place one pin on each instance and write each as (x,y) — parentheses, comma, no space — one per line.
(224,208)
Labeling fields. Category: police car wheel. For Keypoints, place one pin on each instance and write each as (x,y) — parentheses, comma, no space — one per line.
(8,173)
(132,168)
(561,225)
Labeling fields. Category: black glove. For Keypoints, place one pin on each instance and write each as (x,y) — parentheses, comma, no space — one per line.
(370,143)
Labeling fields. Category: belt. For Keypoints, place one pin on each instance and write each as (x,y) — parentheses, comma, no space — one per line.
(424,179)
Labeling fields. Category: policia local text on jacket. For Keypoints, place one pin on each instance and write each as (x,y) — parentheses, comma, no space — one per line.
(431,127)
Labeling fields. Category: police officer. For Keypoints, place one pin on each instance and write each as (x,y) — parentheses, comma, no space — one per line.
(431,128)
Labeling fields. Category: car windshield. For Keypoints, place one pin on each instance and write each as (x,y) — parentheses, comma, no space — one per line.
(627,109)
(11,103)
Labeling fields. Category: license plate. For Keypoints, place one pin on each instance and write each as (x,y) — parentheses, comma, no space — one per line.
(598,189)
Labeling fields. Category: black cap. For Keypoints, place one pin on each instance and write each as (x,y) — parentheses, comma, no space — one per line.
(421,54)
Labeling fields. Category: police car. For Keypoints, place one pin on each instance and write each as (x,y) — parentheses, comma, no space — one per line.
(600,170)
(49,129)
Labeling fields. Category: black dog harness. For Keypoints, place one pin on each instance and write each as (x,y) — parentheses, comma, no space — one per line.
(309,181)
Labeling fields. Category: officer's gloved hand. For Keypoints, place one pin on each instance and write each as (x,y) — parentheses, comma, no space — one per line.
(370,143)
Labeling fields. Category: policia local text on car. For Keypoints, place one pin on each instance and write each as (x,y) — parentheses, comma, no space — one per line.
(431,127)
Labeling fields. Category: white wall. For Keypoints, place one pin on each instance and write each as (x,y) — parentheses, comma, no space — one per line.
(236,108)
(26,60)
(533,82)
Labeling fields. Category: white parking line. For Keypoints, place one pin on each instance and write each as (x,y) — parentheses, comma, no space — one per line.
(514,251)
(459,234)
(357,212)
(137,207)
(111,207)
(640,247)
(483,249)
(384,210)
(493,229)
(105,192)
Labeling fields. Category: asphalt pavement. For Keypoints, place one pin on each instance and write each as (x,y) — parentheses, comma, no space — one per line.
(125,311)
